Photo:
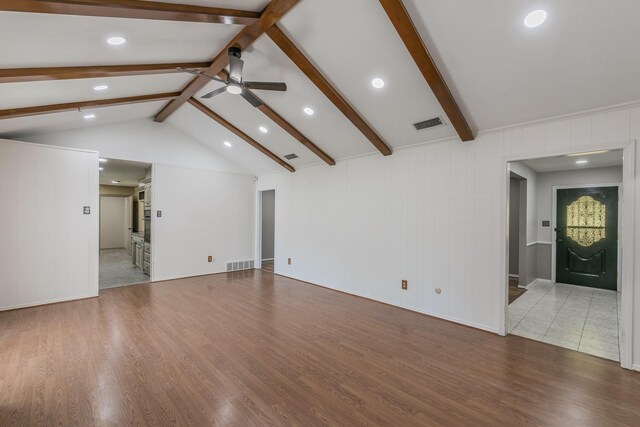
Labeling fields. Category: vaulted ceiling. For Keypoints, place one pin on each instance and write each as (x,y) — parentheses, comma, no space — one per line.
(584,56)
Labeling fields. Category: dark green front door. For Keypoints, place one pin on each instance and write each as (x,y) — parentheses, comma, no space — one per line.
(587,237)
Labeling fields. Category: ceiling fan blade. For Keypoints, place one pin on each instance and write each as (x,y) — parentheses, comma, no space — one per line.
(280,87)
(235,68)
(253,100)
(199,74)
(214,92)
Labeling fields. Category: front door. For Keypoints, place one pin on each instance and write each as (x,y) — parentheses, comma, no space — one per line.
(587,237)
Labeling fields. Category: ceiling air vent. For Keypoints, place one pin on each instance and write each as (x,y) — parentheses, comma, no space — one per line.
(291,156)
(431,123)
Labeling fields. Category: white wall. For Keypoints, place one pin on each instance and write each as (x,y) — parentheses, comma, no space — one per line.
(143,141)
(433,214)
(203,213)
(532,198)
(113,222)
(48,247)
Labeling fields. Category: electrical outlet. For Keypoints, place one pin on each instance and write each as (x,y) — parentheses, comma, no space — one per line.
(405,285)
(210,258)
(289,261)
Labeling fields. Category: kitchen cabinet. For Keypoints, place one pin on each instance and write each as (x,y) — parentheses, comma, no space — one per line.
(137,245)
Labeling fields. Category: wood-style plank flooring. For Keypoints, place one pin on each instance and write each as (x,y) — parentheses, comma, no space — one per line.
(253,348)
(514,291)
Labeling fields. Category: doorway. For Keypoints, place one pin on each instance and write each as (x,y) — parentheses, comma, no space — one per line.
(122,231)
(573,297)
(517,236)
(267,230)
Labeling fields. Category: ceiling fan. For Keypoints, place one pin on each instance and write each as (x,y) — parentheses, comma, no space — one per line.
(234,84)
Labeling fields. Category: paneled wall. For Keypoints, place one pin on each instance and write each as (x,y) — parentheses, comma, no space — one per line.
(204,214)
(432,214)
(48,247)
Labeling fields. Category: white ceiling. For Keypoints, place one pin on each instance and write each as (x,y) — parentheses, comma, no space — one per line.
(128,173)
(48,123)
(585,56)
(567,163)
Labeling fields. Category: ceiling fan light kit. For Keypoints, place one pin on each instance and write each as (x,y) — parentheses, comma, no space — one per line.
(234,84)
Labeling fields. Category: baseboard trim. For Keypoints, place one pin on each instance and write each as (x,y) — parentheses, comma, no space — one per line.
(635,367)
(404,307)
(267,259)
(48,302)
(516,276)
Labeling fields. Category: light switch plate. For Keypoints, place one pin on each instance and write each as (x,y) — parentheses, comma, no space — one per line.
(87,210)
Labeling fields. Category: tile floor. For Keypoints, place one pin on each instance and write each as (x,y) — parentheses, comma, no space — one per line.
(116,269)
(574,317)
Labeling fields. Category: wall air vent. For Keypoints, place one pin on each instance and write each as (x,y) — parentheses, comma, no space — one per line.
(240,265)
(431,123)
(291,156)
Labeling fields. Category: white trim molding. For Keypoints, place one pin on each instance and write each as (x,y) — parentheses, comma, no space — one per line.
(539,242)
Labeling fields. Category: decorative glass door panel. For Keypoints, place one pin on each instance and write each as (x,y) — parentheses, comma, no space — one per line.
(587,237)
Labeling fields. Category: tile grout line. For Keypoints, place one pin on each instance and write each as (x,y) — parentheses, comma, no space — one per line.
(585,321)
(525,315)
(554,317)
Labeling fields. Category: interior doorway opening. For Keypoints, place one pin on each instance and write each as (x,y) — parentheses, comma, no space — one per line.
(125,223)
(267,230)
(571,264)
(518,277)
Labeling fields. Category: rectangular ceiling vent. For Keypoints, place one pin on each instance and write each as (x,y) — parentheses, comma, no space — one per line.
(431,123)
(291,156)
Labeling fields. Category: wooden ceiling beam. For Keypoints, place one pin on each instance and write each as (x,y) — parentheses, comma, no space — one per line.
(270,15)
(136,9)
(211,114)
(288,127)
(72,106)
(409,34)
(18,75)
(298,58)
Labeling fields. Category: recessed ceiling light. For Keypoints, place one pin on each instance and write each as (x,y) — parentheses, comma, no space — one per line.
(377,83)
(115,181)
(227,143)
(581,162)
(535,18)
(263,129)
(101,169)
(116,40)
(102,160)
(89,116)
(309,111)
(100,87)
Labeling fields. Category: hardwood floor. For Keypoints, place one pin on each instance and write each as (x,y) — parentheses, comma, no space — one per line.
(253,348)
(267,266)
(514,291)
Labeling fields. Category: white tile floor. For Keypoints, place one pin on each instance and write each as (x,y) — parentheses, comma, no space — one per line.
(574,317)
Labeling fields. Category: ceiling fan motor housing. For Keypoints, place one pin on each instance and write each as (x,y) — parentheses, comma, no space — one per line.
(235,51)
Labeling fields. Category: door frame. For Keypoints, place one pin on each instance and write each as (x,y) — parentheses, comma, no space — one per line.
(258,221)
(627,245)
(554,219)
